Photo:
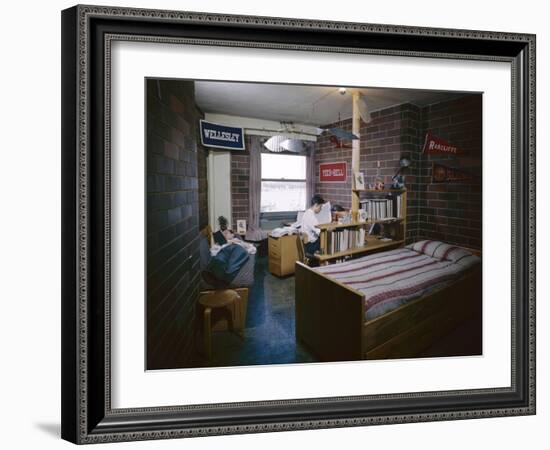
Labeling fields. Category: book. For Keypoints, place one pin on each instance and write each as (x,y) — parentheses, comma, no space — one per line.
(344,239)
(383,208)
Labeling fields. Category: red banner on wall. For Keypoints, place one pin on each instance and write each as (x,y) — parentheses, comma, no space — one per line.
(434,145)
(335,172)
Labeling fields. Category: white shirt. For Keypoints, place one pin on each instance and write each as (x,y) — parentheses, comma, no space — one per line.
(309,222)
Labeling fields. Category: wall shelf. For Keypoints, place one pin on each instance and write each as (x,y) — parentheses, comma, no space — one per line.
(346,240)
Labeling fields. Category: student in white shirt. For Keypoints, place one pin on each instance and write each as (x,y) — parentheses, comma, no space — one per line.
(309,225)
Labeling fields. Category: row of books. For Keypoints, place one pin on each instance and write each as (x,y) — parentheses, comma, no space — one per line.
(345,239)
(382,208)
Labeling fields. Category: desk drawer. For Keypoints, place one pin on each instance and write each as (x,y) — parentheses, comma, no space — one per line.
(275,267)
(274,244)
(275,253)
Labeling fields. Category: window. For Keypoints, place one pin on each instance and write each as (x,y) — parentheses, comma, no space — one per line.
(283,183)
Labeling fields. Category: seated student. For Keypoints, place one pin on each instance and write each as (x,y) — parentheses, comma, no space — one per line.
(309,225)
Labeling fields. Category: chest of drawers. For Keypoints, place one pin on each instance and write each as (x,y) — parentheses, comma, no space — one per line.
(283,254)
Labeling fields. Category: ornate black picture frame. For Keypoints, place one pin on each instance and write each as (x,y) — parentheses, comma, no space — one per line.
(87,33)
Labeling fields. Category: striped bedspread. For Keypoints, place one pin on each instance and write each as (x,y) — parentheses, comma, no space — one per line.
(391,279)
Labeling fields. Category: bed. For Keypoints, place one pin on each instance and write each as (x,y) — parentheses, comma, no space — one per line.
(242,282)
(393,304)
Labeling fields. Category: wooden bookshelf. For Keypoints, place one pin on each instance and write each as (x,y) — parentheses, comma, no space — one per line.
(335,225)
(347,240)
(373,245)
(381,191)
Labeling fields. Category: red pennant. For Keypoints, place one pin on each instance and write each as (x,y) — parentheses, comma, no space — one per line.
(434,145)
(444,174)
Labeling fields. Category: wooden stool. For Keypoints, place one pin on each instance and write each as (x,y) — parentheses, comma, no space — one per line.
(220,298)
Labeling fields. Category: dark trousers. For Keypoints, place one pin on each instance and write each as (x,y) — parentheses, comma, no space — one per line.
(312,247)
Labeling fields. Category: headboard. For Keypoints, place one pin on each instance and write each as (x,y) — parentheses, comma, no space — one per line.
(207,232)
(473,251)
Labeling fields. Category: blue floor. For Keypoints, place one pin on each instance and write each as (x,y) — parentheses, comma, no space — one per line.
(269,335)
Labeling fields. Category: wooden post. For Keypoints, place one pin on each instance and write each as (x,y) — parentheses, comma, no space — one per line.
(355,154)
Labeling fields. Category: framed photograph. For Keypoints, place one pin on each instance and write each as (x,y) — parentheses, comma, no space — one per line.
(359,179)
(241,226)
(169,333)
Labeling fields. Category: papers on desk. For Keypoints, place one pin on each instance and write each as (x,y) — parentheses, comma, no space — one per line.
(284,231)
(325,215)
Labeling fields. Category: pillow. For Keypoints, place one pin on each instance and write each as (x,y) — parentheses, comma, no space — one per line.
(435,249)
(445,252)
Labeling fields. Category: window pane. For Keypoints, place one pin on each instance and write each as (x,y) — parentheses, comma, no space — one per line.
(283,196)
(288,167)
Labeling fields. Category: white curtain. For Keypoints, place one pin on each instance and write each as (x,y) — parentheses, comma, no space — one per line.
(310,172)
(254,232)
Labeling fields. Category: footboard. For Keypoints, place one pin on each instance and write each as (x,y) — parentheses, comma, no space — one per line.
(408,330)
(329,316)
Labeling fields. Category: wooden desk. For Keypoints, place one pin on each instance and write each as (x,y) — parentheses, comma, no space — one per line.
(283,254)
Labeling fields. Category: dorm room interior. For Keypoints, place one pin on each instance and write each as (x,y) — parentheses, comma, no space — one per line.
(391,267)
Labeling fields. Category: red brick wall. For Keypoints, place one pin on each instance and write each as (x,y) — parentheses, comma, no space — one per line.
(391,133)
(240,163)
(452,211)
(326,152)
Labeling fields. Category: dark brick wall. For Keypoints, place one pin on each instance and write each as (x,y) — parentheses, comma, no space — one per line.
(452,211)
(391,133)
(175,166)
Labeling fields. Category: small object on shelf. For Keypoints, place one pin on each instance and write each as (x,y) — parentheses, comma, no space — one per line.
(375,229)
(398,182)
(344,218)
(378,185)
(337,211)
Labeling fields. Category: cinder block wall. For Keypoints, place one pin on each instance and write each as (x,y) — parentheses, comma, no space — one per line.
(176,180)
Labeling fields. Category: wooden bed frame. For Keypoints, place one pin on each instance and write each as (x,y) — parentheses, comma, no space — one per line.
(223,323)
(330,318)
